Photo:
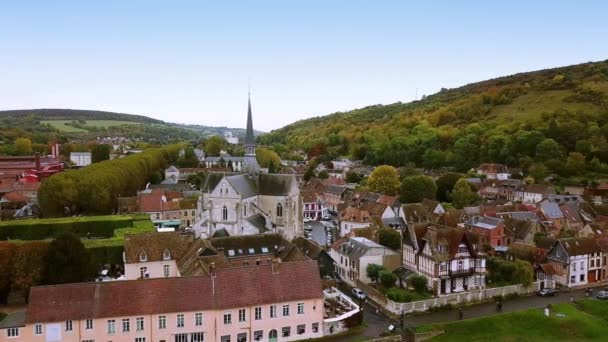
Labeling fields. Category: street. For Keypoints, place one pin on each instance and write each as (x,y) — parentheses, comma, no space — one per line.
(379,322)
(318,232)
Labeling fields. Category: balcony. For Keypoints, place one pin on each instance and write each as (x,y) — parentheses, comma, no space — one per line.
(462,272)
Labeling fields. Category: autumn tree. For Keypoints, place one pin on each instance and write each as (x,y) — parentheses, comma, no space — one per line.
(23,146)
(416,188)
(68,261)
(7,251)
(384,179)
(28,266)
(463,195)
(268,158)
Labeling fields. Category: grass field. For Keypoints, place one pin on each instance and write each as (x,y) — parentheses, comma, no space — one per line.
(61,124)
(587,322)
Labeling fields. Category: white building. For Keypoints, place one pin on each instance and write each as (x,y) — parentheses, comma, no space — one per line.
(352,256)
(81,159)
(230,138)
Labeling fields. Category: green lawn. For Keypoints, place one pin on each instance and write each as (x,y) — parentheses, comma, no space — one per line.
(531,325)
(61,124)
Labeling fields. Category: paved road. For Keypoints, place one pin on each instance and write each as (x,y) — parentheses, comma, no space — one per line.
(318,233)
(379,322)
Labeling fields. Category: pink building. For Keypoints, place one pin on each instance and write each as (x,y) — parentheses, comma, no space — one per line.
(277,302)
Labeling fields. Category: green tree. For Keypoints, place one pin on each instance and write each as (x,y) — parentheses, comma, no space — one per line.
(214,145)
(309,174)
(100,152)
(68,261)
(548,149)
(373,271)
(189,158)
(390,238)
(575,164)
(23,146)
(387,279)
(445,185)
(416,188)
(418,283)
(538,171)
(384,179)
(323,174)
(434,159)
(353,177)
(463,195)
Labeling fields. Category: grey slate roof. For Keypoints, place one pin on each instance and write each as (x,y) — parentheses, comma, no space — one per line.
(258,221)
(244,185)
(357,247)
(275,185)
(224,158)
(13,320)
(485,222)
(336,189)
(551,210)
(220,233)
(172,169)
(212,180)
(519,215)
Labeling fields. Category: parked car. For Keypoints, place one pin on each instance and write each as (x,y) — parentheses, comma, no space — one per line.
(547,292)
(326,217)
(358,293)
(602,295)
(308,219)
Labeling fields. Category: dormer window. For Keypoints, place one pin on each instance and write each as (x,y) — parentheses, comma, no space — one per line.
(143,257)
(166,255)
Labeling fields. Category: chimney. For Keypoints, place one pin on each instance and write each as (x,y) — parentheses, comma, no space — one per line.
(212,269)
(275,265)
(37,156)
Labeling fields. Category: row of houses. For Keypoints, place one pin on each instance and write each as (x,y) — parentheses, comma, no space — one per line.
(178,288)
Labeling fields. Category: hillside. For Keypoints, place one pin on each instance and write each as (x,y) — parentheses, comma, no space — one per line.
(45,125)
(499,120)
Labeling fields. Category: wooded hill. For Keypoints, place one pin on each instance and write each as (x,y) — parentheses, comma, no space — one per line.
(518,120)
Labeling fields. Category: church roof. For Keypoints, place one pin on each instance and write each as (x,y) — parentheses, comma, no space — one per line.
(275,185)
(258,221)
(244,185)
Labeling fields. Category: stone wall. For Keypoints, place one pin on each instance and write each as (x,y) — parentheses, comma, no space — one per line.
(460,298)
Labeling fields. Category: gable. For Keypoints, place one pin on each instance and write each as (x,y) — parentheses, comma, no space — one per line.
(225,190)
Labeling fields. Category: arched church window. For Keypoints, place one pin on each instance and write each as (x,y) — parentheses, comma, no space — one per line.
(279,210)
(225,213)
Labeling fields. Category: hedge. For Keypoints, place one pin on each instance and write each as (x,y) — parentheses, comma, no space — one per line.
(41,229)
(103,255)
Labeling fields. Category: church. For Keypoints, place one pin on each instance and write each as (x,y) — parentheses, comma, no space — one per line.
(250,202)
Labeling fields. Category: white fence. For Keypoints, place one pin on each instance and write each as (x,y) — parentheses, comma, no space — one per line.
(460,298)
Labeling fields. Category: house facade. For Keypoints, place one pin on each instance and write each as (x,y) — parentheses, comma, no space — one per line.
(351,257)
(578,261)
(229,305)
(448,257)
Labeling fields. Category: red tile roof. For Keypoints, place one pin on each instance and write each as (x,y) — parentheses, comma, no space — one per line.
(150,203)
(231,288)
(14,197)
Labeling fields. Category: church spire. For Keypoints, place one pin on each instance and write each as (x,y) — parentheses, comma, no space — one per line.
(249,137)
(250,164)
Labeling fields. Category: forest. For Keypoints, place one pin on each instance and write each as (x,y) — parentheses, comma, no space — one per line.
(552,121)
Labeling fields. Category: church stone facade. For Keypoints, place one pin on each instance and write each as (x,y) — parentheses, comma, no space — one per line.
(250,202)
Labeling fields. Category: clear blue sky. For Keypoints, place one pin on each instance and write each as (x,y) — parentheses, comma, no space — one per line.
(190,61)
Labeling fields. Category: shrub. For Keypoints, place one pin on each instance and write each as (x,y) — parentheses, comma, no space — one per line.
(387,278)
(399,295)
(418,283)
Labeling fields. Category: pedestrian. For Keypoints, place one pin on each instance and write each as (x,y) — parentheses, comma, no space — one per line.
(460,314)
(571,299)
(499,306)
(377,311)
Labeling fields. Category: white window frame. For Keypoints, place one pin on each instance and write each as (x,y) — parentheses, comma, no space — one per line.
(300,308)
(227,318)
(38,329)
(162,322)
(69,325)
(111,324)
(126,323)
(12,332)
(180,321)
(258,313)
(285,310)
(89,324)
(198,319)
(139,324)
(242,316)
(273,311)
